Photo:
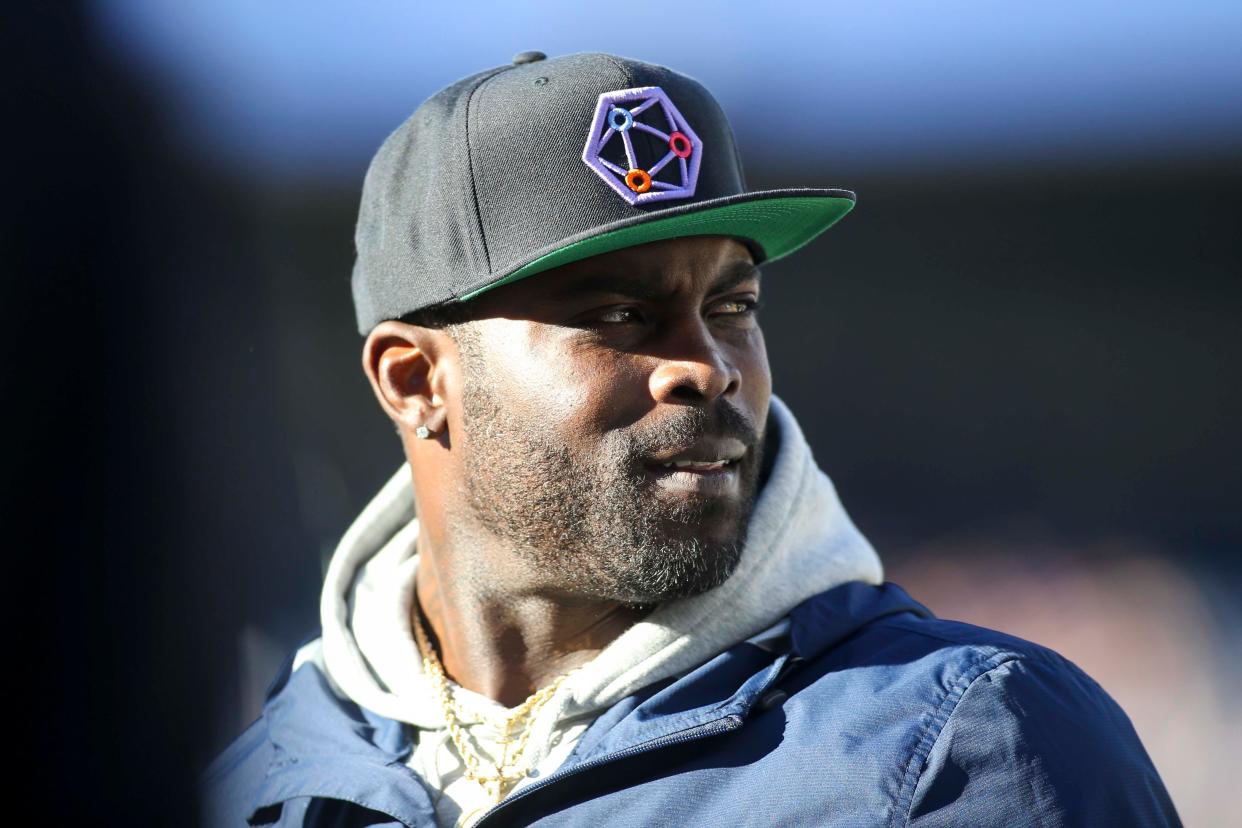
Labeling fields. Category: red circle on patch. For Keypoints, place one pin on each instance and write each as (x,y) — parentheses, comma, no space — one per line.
(679,138)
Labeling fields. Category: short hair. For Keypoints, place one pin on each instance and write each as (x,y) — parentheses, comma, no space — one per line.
(440,316)
(453,318)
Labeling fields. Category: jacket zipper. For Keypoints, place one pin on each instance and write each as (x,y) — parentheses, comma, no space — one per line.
(725,725)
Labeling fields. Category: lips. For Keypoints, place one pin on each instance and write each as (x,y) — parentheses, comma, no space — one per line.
(705,455)
(697,466)
(708,468)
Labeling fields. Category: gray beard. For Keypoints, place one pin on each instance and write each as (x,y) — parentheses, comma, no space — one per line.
(593,526)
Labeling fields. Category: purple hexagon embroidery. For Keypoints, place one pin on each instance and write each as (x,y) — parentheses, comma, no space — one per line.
(671,173)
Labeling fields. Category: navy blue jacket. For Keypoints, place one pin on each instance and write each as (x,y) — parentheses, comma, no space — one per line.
(862,710)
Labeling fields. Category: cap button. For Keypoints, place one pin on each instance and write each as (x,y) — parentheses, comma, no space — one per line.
(528,57)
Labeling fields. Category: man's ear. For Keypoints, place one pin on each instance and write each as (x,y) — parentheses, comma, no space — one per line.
(401,361)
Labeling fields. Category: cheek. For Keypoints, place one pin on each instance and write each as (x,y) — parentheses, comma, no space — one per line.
(607,389)
(756,374)
(557,385)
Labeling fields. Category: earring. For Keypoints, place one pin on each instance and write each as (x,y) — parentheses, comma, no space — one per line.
(423,432)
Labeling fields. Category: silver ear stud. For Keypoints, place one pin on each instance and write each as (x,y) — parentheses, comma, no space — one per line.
(423,432)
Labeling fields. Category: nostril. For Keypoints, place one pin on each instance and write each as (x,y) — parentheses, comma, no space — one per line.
(688,392)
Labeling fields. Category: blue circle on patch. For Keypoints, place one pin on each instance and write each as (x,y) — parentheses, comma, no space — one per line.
(627,120)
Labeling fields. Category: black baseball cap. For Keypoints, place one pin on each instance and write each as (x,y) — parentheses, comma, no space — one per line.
(525,167)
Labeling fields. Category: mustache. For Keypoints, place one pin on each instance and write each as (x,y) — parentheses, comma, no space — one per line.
(682,430)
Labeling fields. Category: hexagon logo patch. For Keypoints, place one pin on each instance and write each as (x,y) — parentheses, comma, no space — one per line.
(642,147)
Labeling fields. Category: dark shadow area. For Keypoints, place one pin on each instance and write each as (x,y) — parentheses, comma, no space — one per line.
(134,356)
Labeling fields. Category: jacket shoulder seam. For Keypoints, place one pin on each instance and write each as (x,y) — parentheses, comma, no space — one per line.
(917,762)
(1028,650)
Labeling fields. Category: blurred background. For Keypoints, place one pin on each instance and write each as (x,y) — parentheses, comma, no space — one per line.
(1017,358)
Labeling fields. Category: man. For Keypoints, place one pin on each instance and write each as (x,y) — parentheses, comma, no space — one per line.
(629,596)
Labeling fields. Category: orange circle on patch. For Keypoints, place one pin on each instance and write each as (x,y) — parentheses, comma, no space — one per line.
(638,181)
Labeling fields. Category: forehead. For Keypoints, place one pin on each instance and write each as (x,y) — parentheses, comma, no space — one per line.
(695,264)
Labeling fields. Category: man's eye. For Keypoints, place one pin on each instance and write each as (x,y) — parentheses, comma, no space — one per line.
(620,315)
(737,307)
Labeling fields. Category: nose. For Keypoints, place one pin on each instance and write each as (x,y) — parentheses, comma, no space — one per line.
(693,368)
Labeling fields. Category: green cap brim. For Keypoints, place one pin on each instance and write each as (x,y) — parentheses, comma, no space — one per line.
(777,221)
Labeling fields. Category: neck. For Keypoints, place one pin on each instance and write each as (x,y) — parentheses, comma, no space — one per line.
(499,632)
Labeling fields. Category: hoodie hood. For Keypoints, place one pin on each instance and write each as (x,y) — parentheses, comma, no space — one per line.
(800,542)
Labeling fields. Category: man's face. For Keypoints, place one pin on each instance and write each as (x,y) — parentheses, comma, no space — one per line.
(612,414)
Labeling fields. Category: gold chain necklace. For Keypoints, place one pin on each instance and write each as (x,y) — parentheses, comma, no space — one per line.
(511,768)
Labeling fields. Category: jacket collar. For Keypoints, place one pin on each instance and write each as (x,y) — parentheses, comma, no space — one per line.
(327,746)
(819,624)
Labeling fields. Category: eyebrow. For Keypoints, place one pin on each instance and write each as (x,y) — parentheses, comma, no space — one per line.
(635,287)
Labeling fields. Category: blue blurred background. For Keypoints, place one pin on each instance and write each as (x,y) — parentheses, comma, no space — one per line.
(1018,357)
(288,90)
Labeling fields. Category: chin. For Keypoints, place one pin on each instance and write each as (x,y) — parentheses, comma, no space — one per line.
(669,570)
